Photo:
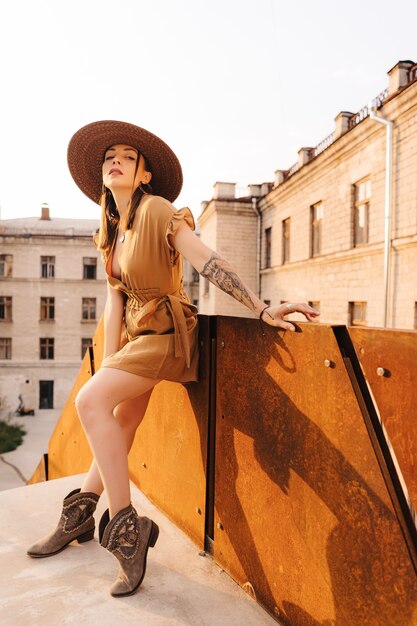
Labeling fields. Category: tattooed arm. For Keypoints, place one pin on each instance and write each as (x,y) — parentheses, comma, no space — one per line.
(210,264)
(219,272)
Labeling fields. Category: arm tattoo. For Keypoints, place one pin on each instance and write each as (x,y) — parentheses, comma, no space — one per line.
(219,272)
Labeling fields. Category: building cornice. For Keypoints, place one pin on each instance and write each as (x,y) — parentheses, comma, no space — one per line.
(226,206)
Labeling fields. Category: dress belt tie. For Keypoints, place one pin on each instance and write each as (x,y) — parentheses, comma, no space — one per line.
(182,342)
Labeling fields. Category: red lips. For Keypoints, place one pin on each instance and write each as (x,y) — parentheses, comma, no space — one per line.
(114,170)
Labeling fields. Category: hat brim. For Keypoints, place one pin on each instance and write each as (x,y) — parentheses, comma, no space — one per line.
(87,147)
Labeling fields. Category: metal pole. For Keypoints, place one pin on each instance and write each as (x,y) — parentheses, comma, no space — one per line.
(387,214)
(258,246)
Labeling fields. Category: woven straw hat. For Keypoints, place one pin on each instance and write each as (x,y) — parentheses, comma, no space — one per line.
(86,154)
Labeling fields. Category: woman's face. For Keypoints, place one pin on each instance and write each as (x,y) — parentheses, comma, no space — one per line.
(119,167)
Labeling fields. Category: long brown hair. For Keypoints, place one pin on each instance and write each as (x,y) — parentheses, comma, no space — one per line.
(104,237)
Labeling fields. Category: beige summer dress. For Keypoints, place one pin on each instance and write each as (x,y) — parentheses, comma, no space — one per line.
(160,324)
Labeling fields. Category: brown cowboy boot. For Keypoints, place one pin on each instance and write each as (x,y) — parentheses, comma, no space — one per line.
(76,522)
(128,536)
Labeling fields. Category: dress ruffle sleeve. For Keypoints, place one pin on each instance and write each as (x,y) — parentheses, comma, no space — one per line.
(172,227)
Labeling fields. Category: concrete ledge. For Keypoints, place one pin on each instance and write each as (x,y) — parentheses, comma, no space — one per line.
(180,587)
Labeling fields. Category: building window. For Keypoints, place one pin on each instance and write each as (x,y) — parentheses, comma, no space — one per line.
(86,342)
(5,348)
(89,309)
(46,394)
(315,304)
(357,314)
(286,240)
(47,266)
(47,309)
(46,345)
(6,308)
(6,265)
(362,197)
(89,268)
(268,235)
(316,216)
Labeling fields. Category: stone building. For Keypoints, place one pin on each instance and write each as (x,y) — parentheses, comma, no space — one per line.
(318,232)
(52,294)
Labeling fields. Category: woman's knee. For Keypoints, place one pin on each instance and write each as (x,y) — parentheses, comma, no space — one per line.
(86,405)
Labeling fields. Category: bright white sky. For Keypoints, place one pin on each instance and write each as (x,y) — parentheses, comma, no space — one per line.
(234,87)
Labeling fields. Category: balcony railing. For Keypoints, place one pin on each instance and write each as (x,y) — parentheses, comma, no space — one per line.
(355,119)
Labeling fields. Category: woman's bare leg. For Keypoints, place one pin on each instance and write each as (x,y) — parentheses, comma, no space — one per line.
(129,414)
(95,403)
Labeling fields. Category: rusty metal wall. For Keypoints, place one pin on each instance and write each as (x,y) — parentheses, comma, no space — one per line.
(303,517)
(388,359)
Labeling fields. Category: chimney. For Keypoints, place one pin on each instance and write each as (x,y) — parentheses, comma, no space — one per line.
(255,191)
(45,211)
(342,123)
(304,155)
(279,177)
(266,188)
(224,190)
(398,76)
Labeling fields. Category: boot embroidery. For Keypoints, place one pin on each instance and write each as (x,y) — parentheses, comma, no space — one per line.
(77,512)
(124,535)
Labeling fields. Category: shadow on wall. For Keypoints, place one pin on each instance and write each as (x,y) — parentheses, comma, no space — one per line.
(308,519)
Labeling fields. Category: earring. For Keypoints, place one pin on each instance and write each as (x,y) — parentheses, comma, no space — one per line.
(143,183)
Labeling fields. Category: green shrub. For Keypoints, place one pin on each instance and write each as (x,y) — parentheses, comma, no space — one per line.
(11,436)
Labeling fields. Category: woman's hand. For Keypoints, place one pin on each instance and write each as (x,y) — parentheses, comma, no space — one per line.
(274,315)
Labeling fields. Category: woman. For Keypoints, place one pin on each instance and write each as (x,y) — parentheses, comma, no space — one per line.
(150,326)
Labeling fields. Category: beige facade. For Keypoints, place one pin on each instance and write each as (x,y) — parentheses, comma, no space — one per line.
(52,292)
(322,222)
